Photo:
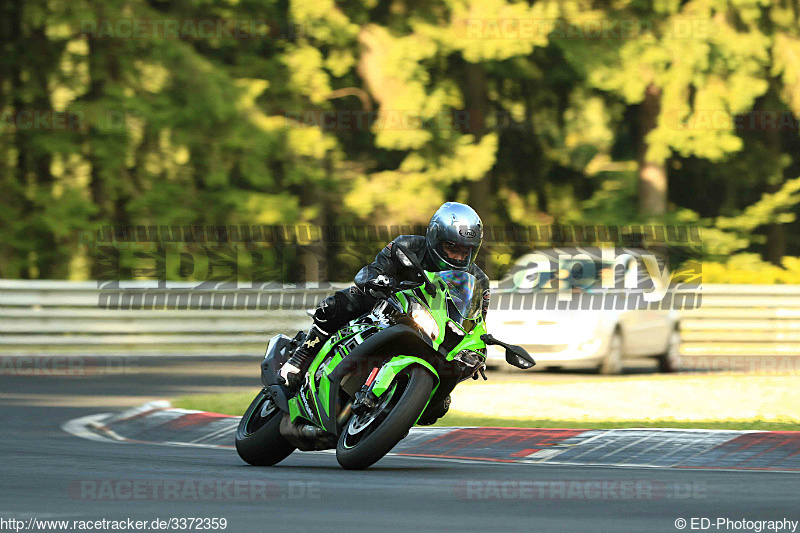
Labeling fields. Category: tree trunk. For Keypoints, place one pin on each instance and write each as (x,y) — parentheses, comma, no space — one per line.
(476,100)
(51,260)
(13,260)
(33,176)
(776,243)
(776,233)
(652,183)
(98,187)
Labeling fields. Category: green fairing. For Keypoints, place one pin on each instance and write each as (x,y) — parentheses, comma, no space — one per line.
(319,394)
(324,383)
(469,340)
(295,409)
(397,364)
(391,369)
(403,300)
(312,371)
(437,306)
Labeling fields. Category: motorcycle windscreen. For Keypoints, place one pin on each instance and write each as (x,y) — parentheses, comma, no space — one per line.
(464,294)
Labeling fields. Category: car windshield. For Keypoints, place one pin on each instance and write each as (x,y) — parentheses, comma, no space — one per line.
(464,293)
(573,274)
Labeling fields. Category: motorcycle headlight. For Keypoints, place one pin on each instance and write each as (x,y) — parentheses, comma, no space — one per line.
(424,320)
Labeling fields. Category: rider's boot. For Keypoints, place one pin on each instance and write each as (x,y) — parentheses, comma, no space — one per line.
(434,412)
(296,367)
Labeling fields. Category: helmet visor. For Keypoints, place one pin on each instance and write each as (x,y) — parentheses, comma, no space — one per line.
(456,254)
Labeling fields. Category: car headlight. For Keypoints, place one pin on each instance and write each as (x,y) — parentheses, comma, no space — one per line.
(590,345)
(424,320)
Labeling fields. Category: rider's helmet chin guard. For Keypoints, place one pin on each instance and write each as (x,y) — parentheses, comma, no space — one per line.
(454,236)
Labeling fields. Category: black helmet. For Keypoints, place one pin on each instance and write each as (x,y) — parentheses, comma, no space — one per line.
(454,236)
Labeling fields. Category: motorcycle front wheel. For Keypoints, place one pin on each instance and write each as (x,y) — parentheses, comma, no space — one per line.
(367,438)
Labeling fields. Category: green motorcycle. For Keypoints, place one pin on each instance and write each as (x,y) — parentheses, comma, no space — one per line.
(375,377)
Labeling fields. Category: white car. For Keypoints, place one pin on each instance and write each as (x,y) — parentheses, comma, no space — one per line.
(571,317)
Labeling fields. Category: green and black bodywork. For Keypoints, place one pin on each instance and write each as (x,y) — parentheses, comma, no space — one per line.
(376,377)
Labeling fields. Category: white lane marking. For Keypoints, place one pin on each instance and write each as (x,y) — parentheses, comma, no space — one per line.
(707,449)
(547,453)
(587,440)
(692,430)
(627,446)
(602,445)
(70,427)
(158,405)
(93,427)
(650,449)
(80,427)
(101,428)
(653,467)
(214,434)
(676,450)
(194,445)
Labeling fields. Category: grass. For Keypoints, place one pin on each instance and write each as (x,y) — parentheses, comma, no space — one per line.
(704,399)
(234,403)
(737,402)
(456,418)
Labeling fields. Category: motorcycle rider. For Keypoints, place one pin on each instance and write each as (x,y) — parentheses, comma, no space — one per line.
(451,242)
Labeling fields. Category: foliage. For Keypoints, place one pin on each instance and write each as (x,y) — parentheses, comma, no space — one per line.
(338,112)
(750,269)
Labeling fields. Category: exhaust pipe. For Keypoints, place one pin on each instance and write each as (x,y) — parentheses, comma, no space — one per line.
(306,437)
(345,414)
(310,432)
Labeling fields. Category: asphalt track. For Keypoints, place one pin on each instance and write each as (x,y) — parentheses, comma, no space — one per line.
(43,465)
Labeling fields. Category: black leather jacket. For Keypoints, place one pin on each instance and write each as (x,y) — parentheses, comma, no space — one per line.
(385,264)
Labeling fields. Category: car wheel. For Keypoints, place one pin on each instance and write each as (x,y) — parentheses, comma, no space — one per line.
(671,360)
(612,361)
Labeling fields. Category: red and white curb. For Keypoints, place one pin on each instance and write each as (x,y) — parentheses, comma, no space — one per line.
(778,451)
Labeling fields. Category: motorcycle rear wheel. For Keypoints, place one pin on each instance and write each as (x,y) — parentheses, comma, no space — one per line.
(258,437)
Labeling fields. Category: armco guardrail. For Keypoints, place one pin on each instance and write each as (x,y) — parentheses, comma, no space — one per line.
(58,317)
(743,320)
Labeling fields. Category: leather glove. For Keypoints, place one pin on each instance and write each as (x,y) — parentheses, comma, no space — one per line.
(381,287)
